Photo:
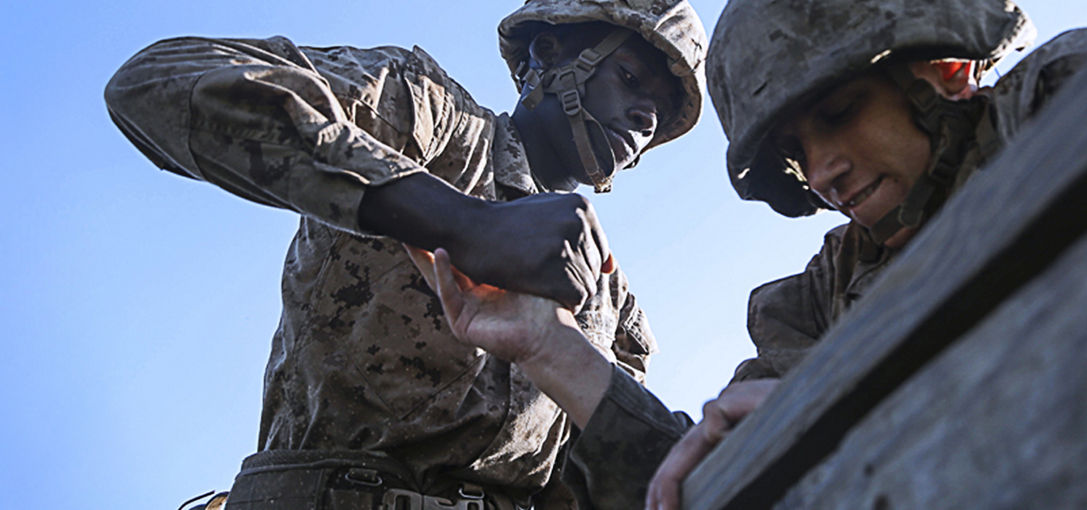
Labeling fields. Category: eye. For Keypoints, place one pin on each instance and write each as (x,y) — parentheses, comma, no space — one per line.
(628,77)
(841,108)
(837,114)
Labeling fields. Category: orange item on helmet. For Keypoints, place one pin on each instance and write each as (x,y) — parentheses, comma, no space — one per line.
(948,69)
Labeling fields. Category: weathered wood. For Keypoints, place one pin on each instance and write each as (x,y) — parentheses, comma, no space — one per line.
(1002,230)
(998,421)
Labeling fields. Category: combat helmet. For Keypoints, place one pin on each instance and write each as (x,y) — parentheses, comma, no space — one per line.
(766,56)
(671,26)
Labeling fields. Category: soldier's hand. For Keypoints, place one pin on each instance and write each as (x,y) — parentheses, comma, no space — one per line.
(510,325)
(718,417)
(550,245)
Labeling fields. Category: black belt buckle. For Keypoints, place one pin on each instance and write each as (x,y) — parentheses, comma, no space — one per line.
(403,499)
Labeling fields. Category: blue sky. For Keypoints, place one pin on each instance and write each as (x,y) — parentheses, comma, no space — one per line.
(137,307)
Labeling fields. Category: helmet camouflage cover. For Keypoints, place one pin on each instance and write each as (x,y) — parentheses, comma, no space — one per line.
(671,26)
(767,56)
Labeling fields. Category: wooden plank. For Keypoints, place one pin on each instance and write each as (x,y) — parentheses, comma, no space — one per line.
(998,421)
(1002,230)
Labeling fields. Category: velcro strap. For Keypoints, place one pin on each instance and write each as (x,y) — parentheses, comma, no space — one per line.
(590,57)
(584,66)
(601,182)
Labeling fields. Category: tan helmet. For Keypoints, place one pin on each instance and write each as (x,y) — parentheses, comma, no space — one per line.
(669,25)
(768,55)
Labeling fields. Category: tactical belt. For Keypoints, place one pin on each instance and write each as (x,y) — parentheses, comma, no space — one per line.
(342,480)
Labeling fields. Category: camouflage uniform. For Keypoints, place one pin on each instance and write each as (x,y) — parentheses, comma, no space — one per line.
(363,360)
(786,317)
(618,451)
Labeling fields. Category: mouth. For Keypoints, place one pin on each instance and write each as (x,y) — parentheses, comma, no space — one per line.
(622,146)
(860,196)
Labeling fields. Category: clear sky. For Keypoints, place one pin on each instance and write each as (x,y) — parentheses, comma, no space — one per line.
(137,307)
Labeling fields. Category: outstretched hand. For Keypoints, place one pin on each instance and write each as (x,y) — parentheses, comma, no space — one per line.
(718,417)
(510,325)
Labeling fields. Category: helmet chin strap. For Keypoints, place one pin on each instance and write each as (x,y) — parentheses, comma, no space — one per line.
(960,133)
(568,83)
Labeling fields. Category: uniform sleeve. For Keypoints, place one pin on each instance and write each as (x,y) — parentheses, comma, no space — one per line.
(254,117)
(626,438)
(786,317)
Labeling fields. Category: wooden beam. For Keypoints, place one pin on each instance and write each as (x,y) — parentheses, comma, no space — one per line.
(999,420)
(1006,227)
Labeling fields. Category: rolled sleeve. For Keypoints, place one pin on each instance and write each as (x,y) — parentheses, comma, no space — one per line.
(624,441)
(255,118)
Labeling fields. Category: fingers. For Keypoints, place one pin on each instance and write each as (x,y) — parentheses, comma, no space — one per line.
(718,417)
(588,243)
(424,262)
(739,399)
(449,292)
(665,488)
(462,279)
(577,274)
(587,254)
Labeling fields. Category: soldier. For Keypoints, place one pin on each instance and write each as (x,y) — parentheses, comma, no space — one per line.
(368,400)
(881,119)
(870,108)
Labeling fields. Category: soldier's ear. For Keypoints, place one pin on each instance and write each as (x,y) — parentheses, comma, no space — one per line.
(545,49)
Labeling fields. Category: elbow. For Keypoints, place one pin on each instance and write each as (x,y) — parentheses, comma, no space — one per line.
(115,94)
(147,99)
(122,90)
(151,75)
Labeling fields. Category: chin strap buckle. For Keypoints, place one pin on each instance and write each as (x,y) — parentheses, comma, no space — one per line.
(571,102)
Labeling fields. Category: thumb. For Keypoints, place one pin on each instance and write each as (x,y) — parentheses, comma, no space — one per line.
(449,292)
(424,262)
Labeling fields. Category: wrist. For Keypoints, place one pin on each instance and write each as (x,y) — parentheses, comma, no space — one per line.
(557,340)
(569,369)
(420,210)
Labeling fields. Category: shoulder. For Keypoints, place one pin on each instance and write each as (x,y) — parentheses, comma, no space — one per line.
(378,63)
(1027,88)
(405,88)
(834,236)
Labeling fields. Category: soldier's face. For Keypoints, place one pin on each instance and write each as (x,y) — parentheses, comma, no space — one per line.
(858,148)
(631,94)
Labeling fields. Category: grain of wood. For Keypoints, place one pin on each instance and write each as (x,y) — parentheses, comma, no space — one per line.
(998,421)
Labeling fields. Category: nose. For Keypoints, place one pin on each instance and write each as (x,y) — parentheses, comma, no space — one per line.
(824,167)
(642,115)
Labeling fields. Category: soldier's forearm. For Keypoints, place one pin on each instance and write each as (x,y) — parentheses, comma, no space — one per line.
(572,372)
(420,210)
